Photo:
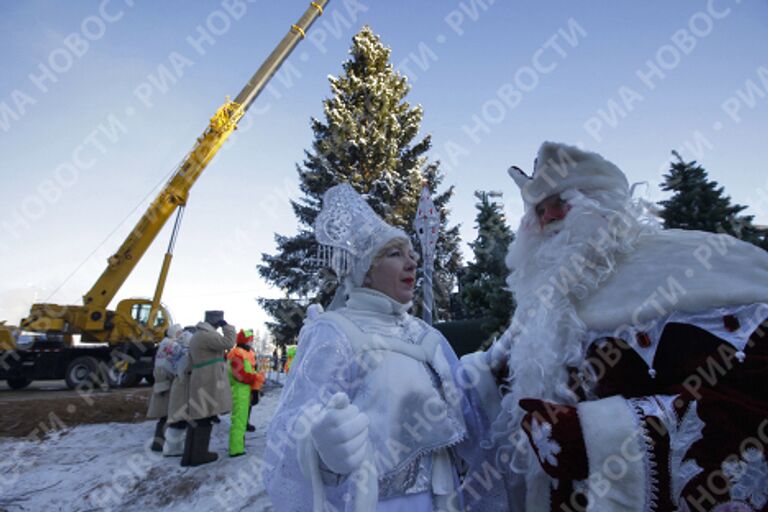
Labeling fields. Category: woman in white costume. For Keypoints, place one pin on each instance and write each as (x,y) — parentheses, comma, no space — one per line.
(377,413)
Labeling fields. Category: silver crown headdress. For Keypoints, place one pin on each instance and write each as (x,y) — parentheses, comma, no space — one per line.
(350,233)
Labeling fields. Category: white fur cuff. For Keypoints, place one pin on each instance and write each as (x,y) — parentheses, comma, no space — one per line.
(617,479)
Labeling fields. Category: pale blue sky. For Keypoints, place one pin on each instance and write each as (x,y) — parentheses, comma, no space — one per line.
(563,62)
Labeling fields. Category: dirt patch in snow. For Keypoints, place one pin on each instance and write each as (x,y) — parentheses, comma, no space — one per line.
(109,466)
(36,418)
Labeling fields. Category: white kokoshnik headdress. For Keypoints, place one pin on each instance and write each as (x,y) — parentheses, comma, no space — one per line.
(559,167)
(349,233)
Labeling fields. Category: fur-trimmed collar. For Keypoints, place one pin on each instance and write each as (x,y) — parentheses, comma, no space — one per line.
(374,301)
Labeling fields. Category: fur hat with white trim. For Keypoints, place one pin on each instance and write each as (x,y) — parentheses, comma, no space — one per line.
(560,167)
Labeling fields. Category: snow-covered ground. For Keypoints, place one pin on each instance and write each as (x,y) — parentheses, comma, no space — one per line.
(110,467)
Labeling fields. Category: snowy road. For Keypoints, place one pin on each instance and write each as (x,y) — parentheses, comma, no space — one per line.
(110,467)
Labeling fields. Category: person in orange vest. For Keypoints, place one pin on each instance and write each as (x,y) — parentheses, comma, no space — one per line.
(291,353)
(256,394)
(243,379)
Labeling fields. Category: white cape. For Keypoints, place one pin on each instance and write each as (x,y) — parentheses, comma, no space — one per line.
(677,270)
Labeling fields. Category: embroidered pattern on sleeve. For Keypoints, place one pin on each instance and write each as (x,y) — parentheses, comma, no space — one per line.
(681,438)
(682,435)
(642,407)
(748,478)
(548,448)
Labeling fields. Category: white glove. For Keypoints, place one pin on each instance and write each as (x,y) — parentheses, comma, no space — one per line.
(498,353)
(340,435)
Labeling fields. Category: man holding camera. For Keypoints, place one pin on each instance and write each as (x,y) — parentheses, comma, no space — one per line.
(209,393)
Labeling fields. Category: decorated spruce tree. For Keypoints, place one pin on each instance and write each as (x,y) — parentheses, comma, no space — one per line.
(368,138)
(699,203)
(483,284)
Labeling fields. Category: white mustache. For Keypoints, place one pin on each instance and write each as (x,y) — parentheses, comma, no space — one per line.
(553,228)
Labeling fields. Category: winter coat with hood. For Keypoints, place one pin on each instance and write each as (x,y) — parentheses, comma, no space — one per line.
(179,394)
(161,394)
(161,388)
(209,392)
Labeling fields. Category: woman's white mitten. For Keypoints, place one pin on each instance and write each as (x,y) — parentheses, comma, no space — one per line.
(340,435)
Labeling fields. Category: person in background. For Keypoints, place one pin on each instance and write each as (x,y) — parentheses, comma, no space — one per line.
(261,369)
(167,351)
(255,397)
(243,380)
(177,402)
(209,393)
(290,354)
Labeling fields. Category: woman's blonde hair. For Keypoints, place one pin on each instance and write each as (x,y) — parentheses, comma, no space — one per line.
(397,242)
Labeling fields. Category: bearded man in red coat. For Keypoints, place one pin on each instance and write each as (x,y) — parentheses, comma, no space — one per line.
(637,359)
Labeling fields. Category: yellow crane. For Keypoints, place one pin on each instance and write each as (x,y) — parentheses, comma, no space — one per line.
(133,328)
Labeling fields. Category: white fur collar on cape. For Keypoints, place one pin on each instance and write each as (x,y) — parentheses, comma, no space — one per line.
(677,270)
(374,301)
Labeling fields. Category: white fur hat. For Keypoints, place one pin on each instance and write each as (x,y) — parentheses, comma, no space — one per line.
(174,331)
(560,167)
(350,233)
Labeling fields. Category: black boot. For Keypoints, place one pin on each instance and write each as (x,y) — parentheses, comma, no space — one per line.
(202,440)
(196,446)
(157,442)
(248,426)
(255,395)
(186,458)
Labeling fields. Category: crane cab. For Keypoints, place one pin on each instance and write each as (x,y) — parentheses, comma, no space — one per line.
(138,312)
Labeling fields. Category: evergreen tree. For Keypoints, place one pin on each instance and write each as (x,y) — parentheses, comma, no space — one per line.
(368,139)
(699,203)
(483,286)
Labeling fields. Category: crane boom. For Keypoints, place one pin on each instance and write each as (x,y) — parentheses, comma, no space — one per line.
(133,328)
(176,191)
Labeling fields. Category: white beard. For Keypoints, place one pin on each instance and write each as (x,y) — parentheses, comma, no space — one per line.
(552,269)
